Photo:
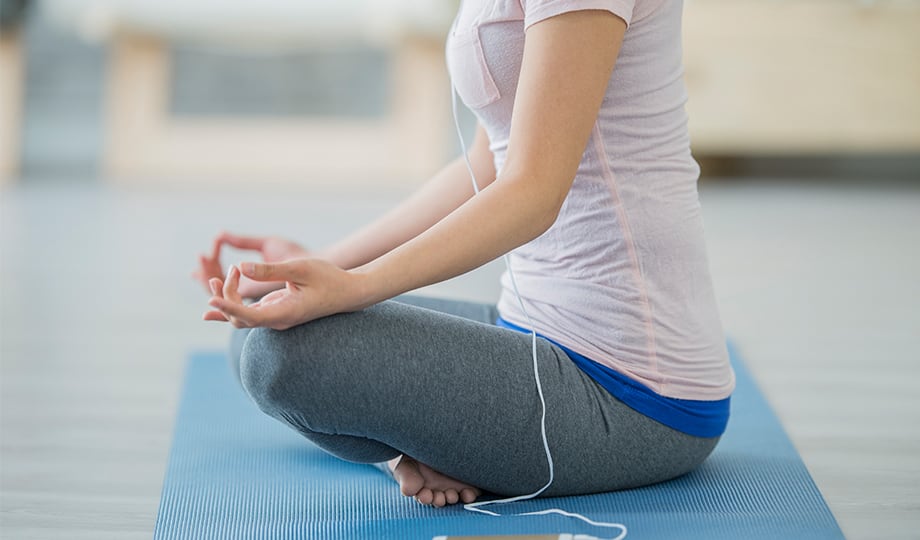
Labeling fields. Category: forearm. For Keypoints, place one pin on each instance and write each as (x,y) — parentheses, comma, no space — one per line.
(440,196)
(502,217)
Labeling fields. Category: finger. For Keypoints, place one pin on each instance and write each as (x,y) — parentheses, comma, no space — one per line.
(215,249)
(214,316)
(292,270)
(201,277)
(238,323)
(254,243)
(216,285)
(209,268)
(237,312)
(256,289)
(205,262)
(232,285)
(279,314)
(271,298)
(203,272)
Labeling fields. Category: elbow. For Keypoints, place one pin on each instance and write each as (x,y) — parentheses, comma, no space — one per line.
(547,216)
(544,199)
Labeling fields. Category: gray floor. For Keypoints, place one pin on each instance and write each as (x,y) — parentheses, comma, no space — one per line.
(818,283)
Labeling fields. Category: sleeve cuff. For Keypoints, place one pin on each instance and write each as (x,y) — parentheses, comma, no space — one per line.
(620,8)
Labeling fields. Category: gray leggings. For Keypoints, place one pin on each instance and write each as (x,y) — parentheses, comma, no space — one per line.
(438,381)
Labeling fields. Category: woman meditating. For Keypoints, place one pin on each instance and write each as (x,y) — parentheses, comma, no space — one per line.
(583,163)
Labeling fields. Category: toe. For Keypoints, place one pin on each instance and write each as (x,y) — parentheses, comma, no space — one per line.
(407,474)
(425,496)
(451,496)
(439,499)
(468,495)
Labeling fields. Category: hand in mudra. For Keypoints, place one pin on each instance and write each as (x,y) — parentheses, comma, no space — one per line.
(313,288)
(271,248)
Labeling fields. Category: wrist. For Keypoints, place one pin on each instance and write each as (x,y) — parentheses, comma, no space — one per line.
(337,256)
(365,287)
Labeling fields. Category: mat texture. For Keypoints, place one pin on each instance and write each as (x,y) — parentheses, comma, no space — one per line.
(235,473)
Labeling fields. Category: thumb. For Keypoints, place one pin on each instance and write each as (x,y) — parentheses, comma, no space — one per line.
(254,243)
(283,271)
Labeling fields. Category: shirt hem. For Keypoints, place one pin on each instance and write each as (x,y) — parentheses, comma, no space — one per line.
(698,418)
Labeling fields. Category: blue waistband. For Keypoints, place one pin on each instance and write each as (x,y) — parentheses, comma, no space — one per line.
(693,417)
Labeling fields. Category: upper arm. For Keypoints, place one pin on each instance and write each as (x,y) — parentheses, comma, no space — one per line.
(565,69)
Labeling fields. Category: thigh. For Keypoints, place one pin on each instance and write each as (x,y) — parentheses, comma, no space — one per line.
(484,313)
(460,396)
(475,311)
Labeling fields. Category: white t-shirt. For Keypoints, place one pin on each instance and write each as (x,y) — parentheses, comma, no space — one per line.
(622,276)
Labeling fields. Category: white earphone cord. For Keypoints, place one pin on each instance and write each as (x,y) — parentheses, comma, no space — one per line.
(477,506)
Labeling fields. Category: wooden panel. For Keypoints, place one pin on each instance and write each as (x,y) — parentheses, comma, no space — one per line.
(146,144)
(803,76)
(11,76)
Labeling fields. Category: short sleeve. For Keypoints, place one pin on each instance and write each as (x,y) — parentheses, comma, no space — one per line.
(538,10)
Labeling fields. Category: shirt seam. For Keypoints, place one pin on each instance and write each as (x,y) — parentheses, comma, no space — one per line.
(610,180)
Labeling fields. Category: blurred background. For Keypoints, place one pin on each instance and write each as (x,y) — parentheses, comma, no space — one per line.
(131,132)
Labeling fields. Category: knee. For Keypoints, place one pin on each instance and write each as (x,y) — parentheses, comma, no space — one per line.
(235,352)
(265,367)
(302,369)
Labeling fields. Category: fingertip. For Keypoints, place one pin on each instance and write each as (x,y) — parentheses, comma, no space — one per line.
(225,308)
(214,316)
(231,286)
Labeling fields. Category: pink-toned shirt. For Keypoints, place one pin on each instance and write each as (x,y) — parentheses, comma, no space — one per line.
(622,276)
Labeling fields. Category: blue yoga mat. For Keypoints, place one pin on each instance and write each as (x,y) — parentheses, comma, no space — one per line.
(236,473)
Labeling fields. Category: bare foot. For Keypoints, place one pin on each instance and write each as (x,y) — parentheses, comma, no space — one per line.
(427,485)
